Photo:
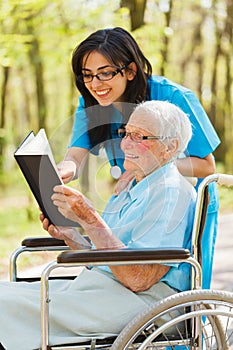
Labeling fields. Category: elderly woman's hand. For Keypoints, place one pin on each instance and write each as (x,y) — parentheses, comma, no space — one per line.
(68,234)
(75,206)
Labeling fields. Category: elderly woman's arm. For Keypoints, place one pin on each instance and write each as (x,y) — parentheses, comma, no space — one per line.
(73,205)
(139,277)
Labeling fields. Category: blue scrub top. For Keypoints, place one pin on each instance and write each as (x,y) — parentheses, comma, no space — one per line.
(80,137)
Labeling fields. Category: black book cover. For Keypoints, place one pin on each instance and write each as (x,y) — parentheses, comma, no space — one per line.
(41,177)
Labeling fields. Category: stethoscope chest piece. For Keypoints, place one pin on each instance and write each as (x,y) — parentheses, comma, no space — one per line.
(115,172)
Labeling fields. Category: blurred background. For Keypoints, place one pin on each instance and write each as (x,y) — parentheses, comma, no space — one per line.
(189,42)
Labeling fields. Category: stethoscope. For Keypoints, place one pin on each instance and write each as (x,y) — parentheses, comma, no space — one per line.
(115,170)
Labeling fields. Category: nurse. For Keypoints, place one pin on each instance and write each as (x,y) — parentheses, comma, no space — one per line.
(113,75)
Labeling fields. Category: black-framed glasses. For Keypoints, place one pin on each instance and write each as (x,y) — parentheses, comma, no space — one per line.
(137,137)
(102,76)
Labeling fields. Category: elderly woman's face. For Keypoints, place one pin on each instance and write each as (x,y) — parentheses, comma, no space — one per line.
(143,157)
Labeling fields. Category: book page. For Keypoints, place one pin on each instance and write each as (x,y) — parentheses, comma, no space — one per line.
(37,144)
(29,138)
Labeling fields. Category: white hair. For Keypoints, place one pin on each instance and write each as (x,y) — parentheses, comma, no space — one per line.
(166,120)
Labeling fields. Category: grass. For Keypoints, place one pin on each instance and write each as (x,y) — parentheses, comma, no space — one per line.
(16,224)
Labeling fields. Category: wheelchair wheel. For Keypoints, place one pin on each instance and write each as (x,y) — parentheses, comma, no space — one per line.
(173,323)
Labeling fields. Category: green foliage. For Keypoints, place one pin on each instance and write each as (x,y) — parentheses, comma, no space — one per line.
(15,226)
(225,194)
(226,200)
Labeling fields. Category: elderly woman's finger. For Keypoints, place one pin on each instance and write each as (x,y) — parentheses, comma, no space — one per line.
(59,197)
(42,217)
(45,224)
(64,190)
(54,231)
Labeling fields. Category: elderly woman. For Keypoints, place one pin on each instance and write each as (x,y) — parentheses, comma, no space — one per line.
(155,211)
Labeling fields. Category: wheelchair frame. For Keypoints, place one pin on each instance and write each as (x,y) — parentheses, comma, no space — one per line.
(201,305)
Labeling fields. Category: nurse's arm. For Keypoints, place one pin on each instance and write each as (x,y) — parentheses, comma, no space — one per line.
(197,167)
(72,165)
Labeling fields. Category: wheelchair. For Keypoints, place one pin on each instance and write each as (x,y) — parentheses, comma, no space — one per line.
(195,319)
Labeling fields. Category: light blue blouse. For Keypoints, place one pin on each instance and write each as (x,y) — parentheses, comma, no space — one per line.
(157,212)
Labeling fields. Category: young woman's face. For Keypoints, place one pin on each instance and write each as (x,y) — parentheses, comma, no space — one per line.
(105,92)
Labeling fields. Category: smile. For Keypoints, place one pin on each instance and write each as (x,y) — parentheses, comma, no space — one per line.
(131,156)
(102,92)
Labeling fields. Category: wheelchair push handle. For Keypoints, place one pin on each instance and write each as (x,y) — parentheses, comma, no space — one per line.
(225,180)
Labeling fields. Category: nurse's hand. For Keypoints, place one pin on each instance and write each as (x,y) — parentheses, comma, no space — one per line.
(123,182)
(67,170)
(71,166)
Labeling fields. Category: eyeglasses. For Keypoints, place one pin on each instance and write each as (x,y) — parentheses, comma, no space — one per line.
(103,76)
(136,137)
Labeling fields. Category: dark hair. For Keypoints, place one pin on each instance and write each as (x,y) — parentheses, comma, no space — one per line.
(119,48)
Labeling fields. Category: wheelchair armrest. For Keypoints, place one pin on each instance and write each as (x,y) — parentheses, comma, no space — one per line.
(33,242)
(122,255)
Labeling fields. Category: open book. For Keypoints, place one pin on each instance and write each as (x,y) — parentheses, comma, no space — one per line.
(35,159)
